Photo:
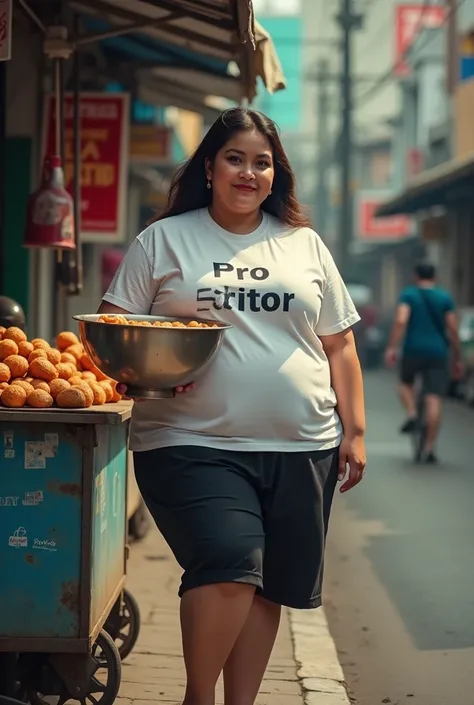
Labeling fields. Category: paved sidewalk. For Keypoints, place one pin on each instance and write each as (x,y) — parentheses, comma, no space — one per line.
(154,671)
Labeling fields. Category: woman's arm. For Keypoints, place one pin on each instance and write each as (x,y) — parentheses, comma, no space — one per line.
(105,307)
(346,380)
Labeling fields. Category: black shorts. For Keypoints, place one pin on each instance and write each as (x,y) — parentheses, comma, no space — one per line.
(239,516)
(433,372)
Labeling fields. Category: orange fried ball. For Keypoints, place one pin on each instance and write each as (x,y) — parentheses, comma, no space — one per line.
(14,396)
(53,355)
(109,392)
(7,348)
(40,384)
(75,379)
(65,339)
(67,357)
(15,334)
(17,364)
(65,370)
(41,368)
(77,351)
(39,399)
(37,352)
(73,398)
(3,385)
(25,348)
(87,391)
(89,376)
(56,386)
(2,331)
(5,373)
(24,385)
(112,318)
(40,344)
(100,396)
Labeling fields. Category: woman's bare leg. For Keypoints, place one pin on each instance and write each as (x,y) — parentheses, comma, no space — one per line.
(248,660)
(212,618)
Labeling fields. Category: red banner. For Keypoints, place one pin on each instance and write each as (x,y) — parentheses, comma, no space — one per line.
(409,21)
(104,128)
(371,228)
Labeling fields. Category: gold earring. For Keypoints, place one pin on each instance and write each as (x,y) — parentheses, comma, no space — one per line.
(209,184)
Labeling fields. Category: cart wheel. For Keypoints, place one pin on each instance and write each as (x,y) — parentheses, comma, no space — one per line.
(104,683)
(129,625)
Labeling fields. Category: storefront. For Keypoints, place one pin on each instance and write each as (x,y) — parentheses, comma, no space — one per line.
(441,198)
(159,53)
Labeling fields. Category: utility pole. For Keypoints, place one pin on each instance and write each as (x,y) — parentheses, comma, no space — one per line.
(348,21)
(322,112)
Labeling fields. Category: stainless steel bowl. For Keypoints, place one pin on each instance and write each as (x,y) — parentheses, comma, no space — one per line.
(151,361)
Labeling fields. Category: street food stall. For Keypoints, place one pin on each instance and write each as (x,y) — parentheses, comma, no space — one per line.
(66,619)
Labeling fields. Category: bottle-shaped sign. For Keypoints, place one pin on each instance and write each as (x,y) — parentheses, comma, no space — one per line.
(50,214)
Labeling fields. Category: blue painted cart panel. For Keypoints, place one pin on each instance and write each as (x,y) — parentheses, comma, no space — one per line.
(40,530)
(108,520)
(62,527)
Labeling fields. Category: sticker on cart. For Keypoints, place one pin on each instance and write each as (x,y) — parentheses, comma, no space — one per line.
(19,538)
(9,453)
(44,545)
(34,457)
(50,445)
(9,501)
(8,441)
(32,499)
(101,501)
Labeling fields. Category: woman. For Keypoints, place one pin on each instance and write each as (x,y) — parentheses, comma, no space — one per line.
(240,470)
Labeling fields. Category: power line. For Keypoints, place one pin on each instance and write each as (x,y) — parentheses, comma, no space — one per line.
(370,92)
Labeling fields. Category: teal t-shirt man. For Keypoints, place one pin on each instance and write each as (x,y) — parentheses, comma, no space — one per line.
(425,327)
(426,335)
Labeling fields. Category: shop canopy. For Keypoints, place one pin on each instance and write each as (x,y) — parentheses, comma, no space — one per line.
(187,49)
(434,187)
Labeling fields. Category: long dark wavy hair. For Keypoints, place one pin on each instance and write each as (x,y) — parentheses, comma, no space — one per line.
(188,190)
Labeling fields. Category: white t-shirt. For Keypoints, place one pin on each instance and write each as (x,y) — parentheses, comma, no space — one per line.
(268,387)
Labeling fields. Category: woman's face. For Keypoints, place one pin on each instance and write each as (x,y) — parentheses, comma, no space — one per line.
(242,173)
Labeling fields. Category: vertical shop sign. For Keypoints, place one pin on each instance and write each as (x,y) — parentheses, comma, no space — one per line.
(104,160)
(409,21)
(5,30)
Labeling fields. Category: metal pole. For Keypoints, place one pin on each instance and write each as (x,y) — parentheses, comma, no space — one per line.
(345,233)
(322,108)
(77,273)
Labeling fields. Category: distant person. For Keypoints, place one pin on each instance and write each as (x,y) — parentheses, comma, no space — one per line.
(426,322)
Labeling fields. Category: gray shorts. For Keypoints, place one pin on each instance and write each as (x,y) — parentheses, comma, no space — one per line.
(434,374)
(239,516)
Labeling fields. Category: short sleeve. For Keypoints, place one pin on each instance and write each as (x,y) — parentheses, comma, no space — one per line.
(338,312)
(406,297)
(450,305)
(133,288)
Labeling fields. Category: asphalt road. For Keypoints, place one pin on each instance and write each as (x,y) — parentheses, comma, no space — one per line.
(400,564)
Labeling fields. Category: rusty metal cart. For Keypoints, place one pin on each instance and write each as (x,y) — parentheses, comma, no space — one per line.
(63,552)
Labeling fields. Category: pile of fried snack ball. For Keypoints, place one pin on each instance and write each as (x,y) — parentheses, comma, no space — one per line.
(36,375)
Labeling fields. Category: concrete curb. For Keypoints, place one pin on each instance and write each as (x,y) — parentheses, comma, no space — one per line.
(317,663)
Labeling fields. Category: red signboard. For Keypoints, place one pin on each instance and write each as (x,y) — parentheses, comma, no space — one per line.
(104,160)
(409,21)
(374,229)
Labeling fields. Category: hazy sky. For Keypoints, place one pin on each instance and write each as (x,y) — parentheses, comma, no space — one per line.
(277,7)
